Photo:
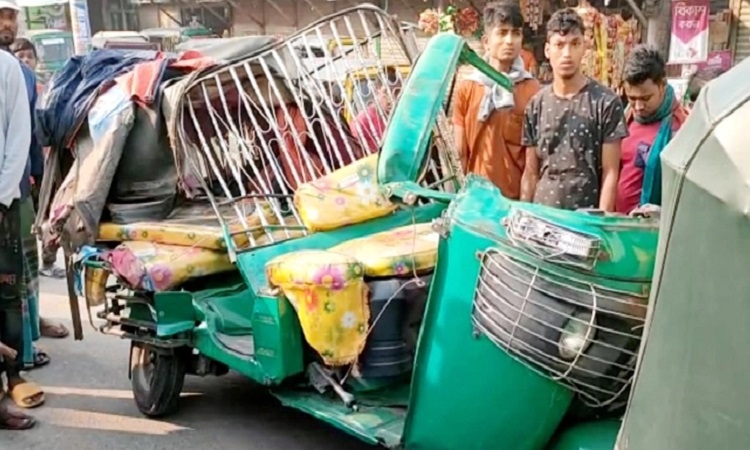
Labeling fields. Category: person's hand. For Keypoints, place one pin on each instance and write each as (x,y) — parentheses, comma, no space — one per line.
(647,211)
(8,353)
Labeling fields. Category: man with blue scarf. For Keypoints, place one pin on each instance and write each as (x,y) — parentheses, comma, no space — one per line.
(653,116)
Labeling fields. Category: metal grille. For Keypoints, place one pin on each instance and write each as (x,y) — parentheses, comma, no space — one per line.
(251,131)
(532,315)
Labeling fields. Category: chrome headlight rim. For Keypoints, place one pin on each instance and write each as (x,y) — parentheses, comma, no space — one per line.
(577,335)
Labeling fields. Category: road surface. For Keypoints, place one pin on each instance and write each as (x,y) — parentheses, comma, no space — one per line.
(90,406)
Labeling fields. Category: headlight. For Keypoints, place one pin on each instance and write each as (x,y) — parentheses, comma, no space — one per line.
(576,336)
(532,229)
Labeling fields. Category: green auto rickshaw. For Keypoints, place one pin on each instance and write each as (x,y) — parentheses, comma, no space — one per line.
(384,293)
(53,48)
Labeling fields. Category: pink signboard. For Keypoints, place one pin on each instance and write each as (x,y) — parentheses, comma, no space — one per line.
(689,40)
(720,60)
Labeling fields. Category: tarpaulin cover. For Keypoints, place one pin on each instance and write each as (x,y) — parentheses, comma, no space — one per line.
(143,81)
(72,90)
(80,200)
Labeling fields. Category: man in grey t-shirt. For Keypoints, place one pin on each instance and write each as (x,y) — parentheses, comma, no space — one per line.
(573,129)
(15,140)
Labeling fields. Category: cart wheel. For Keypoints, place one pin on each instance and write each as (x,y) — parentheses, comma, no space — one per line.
(157,379)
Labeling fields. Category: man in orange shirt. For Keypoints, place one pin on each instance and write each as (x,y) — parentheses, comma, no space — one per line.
(487,120)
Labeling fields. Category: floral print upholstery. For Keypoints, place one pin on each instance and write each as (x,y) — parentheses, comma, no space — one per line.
(328,290)
(347,196)
(183,232)
(330,296)
(158,267)
(397,252)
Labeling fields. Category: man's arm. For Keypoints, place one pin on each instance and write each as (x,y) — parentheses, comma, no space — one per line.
(615,130)
(530,176)
(17,129)
(459,117)
(610,175)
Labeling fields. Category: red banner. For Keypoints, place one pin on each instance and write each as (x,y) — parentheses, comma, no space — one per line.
(689,40)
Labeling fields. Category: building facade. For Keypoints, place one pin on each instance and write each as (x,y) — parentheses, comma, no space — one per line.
(240,17)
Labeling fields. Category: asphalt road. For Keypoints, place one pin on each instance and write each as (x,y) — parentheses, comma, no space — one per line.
(90,406)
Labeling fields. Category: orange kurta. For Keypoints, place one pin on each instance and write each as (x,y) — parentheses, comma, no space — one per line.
(494,147)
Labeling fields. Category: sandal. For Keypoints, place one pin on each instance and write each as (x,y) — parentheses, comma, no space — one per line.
(41,358)
(15,420)
(27,395)
(50,329)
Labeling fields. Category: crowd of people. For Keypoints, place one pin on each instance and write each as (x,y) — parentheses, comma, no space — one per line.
(571,144)
(21,170)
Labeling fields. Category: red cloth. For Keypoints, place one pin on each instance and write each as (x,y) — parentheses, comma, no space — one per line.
(372,127)
(142,80)
(634,154)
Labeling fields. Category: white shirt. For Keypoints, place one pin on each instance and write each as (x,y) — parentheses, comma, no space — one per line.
(15,127)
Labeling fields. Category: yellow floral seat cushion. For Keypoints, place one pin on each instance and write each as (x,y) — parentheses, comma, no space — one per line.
(158,267)
(330,296)
(347,196)
(184,233)
(401,251)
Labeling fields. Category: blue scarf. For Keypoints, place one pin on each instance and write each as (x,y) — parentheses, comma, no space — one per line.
(651,189)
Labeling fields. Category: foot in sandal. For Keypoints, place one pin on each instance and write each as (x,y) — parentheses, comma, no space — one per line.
(41,359)
(51,329)
(14,420)
(25,394)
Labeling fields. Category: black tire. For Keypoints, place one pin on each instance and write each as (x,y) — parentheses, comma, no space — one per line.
(157,379)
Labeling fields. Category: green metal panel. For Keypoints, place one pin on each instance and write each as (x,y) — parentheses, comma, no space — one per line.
(467,393)
(405,151)
(691,390)
(278,338)
(629,244)
(374,425)
(236,313)
(175,313)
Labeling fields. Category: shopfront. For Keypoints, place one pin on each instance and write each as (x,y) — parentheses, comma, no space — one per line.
(611,31)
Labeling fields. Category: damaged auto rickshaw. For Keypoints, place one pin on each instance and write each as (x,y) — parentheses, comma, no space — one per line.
(385,293)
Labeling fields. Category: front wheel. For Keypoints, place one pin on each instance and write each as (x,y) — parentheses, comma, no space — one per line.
(157,378)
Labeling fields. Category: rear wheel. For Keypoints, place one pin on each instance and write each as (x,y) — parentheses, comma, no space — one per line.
(157,378)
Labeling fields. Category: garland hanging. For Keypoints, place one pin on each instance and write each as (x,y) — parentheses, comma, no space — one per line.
(464,21)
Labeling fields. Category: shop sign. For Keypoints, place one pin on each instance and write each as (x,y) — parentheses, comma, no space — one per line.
(689,40)
(719,60)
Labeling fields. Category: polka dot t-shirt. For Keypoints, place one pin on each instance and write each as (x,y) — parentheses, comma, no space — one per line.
(568,134)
